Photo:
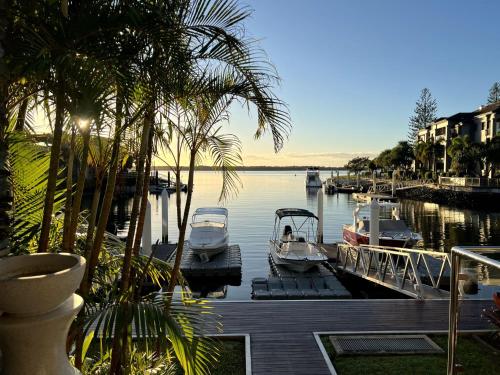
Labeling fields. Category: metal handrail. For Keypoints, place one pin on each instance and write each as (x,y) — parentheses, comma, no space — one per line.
(457,252)
(395,267)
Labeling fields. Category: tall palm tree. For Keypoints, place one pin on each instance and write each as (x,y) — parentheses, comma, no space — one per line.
(464,155)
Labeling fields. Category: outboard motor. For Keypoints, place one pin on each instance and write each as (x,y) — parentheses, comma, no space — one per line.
(287,230)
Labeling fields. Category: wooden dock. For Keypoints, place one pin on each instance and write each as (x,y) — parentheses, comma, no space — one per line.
(282,336)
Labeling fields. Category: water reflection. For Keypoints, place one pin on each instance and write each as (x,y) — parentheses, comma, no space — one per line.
(251,219)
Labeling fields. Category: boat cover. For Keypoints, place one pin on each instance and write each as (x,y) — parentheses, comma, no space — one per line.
(282,212)
(211,211)
(386,225)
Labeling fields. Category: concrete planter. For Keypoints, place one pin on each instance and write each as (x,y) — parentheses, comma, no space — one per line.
(38,305)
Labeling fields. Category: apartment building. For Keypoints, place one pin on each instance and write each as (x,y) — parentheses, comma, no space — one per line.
(480,125)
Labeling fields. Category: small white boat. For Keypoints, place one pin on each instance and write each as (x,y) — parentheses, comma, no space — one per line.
(312,178)
(209,234)
(295,245)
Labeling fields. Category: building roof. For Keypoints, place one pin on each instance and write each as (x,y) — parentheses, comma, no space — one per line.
(282,212)
(494,107)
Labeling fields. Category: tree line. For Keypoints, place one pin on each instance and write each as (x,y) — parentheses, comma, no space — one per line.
(420,158)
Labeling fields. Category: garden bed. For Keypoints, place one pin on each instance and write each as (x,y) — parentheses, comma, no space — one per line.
(472,354)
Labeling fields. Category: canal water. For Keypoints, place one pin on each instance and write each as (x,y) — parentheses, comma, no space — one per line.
(251,220)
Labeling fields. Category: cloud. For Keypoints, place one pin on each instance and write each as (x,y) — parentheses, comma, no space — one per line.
(331,155)
(330,159)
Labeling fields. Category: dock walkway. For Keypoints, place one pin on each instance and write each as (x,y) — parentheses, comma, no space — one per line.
(282,332)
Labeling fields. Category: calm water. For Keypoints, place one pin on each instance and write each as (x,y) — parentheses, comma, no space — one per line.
(251,218)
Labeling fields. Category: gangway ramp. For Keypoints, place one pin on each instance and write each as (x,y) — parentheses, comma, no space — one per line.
(413,272)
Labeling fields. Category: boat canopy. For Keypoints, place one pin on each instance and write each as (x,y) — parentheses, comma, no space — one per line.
(283,212)
(211,211)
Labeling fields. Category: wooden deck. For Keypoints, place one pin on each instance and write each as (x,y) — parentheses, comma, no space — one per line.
(281,332)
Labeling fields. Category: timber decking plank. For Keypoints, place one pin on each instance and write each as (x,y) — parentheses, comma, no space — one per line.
(281,332)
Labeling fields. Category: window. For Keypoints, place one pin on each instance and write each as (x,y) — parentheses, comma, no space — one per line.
(440,131)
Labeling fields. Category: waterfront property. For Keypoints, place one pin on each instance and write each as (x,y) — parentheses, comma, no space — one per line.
(481,126)
(285,335)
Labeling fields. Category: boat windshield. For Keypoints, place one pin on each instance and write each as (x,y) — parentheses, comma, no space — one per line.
(295,229)
(214,216)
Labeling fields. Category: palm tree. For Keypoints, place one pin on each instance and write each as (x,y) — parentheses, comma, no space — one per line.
(464,155)
(103,61)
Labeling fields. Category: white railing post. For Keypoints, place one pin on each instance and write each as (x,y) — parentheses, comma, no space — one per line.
(456,253)
(164,216)
(374,222)
(320,216)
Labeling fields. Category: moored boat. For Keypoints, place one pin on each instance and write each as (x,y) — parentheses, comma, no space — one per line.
(293,244)
(312,178)
(209,235)
(392,232)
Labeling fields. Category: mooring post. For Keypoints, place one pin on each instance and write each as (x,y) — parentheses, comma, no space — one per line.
(320,216)
(146,233)
(374,222)
(164,216)
(393,183)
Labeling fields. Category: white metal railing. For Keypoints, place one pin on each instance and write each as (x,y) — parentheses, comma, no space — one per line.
(386,187)
(457,253)
(414,272)
(470,181)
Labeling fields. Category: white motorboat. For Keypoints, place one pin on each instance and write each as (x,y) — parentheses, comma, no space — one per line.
(293,244)
(209,234)
(312,178)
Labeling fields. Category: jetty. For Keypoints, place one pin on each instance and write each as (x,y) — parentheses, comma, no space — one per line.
(415,273)
(285,335)
(368,197)
(318,283)
(225,264)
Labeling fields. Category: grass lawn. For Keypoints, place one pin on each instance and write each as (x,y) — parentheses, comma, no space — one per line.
(472,355)
(232,359)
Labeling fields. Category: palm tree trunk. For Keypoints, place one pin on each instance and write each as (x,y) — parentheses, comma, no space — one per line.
(69,192)
(80,185)
(144,199)
(107,200)
(21,115)
(182,232)
(78,326)
(92,217)
(119,337)
(55,151)
(148,119)
(178,195)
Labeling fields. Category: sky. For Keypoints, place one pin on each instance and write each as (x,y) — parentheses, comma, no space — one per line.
(352,70)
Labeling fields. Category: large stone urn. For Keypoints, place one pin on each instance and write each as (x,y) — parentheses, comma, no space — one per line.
(38,304)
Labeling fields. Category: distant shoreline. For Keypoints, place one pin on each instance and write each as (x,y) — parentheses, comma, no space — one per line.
(256,168)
